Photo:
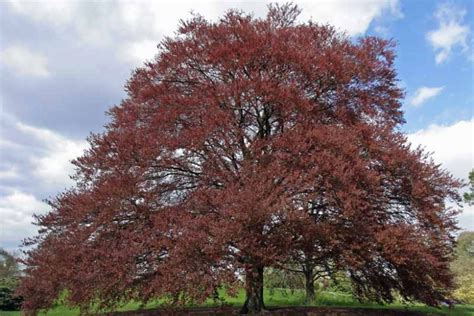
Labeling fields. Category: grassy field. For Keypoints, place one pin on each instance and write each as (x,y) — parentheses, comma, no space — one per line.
(280,298)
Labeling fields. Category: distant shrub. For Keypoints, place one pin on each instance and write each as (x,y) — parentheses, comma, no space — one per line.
(8,300)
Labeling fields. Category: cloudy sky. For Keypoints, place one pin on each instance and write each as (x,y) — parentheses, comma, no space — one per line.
(64,63)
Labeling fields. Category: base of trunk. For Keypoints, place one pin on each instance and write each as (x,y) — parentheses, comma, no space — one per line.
(310,297)
(253,291)
(309,287)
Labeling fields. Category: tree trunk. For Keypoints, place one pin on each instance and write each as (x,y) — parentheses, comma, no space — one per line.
(309,286)
(253,291)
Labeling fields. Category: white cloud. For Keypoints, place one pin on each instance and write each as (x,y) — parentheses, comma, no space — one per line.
(37,152)
(135,27)
(54,11)
(466,218)
(53,165)
(137,52)
(9,173)
(25,62)
(16,211)
(450,33)
(423,94)
(452,146)
(354,17)
(39,162)
(382,30)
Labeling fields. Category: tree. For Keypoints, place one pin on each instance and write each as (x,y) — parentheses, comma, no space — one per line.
(8,265)
(282,280)
(469,196)
(463,267)
(311,255)
(240,136)
(9,273)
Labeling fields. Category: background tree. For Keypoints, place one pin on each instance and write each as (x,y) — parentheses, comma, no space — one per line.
(469,196)
(463,268)
(311,255)
(8,265)
(284,280)
(208,167)
(9,273)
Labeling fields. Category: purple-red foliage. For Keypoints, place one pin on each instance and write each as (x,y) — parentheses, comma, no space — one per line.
(244,141)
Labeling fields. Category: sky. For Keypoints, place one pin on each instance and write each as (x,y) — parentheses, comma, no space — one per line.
(64,63)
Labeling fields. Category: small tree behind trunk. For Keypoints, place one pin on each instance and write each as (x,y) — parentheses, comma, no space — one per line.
(253,291)
(309,286)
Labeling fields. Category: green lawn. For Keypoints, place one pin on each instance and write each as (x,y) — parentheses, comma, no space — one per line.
(286,298)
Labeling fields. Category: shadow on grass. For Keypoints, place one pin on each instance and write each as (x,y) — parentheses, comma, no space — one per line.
(281,302)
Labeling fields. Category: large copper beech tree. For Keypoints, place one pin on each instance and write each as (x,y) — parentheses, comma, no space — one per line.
(245,144)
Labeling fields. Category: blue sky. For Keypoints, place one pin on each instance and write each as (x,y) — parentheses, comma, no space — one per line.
(64,63)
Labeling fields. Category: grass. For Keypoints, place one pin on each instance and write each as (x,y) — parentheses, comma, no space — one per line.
(280,298)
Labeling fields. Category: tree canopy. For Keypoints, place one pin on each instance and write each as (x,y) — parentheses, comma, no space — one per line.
(246,142)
